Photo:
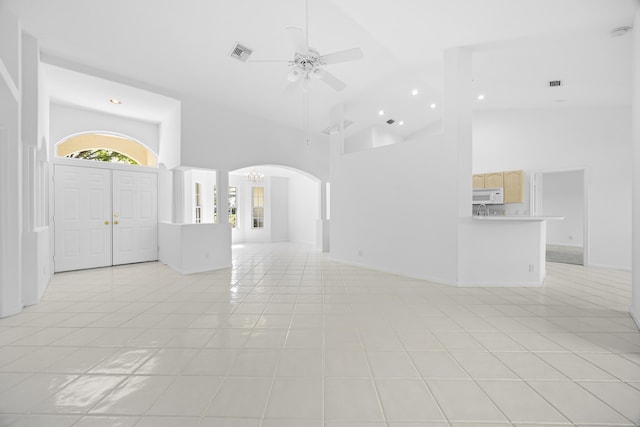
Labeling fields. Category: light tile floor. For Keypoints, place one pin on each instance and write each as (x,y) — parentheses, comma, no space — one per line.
(288,337)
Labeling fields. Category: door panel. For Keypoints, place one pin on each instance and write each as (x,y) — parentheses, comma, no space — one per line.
(135,236)
(82,206)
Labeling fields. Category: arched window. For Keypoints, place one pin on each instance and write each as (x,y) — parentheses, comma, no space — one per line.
(106,148)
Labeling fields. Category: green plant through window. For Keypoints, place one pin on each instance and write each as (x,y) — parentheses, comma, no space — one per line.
(233,207)
(102,155)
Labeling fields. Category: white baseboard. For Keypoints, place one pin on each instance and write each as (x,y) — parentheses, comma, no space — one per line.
(608,267)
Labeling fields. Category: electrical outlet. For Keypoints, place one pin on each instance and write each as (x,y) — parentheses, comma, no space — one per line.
(530,268)
(359,252)
(570,237)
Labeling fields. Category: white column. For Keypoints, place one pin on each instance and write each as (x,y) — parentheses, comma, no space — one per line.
(222,183)
(457,118)
(178,196)
(322,224)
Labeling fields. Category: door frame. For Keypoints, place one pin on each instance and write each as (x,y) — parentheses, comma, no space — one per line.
(87,164)
(536,199)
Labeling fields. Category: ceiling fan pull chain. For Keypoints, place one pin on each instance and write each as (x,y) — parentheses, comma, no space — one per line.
(305,100)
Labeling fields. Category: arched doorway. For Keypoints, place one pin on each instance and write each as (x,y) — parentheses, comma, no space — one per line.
(274,204)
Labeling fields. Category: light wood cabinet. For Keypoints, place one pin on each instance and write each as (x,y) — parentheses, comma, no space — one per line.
(511,181)
(493,180)
(478,180)
(514,186)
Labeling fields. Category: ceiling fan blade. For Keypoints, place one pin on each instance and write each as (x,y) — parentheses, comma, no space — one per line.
(332,80)
(270,60)
(342,56)
(298,39)
(292,87)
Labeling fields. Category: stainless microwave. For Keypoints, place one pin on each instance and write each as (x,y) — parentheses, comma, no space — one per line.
(488,196)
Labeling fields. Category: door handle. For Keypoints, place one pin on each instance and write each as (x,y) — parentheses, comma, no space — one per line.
(115,215)
(106,223)
(115,222)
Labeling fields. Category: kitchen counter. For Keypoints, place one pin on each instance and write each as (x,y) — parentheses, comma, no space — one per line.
(516,218)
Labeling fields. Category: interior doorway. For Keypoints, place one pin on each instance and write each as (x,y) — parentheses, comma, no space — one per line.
(275,204)
(563,193)
(104,217)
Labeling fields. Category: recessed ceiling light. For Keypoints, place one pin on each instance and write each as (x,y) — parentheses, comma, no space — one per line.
(381,113)
(414,92)
(115,101)
(480,97)
(401,123)
(432,106)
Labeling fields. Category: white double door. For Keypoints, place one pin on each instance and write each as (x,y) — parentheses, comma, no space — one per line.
(104,217)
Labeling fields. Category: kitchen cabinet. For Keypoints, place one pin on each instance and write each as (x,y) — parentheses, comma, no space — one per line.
(478,180)
(513,186)
(494,180)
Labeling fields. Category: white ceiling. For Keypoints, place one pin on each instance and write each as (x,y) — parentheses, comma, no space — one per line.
(182,47)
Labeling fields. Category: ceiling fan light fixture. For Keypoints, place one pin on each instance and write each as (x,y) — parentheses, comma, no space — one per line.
(293,75)
(318,73)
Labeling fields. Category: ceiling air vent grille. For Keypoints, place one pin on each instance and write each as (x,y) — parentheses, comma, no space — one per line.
(334,128)
(241,53)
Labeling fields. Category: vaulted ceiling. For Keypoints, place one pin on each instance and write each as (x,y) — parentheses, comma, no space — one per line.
(182,49)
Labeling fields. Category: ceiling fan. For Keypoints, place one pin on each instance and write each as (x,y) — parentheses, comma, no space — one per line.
(308,64)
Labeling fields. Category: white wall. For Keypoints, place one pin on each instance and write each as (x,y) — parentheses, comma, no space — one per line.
(165,194)
(635,304)
(304,209)
(279,212)
(394,208)
(10,47)
(598,139)
(215,137)
(362,140)
(66,121)
(382,137)
(373,137)
(10,167)
(194,248)
(563,195)
(169,144)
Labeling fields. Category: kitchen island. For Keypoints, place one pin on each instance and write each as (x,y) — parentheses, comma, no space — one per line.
(502,250)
